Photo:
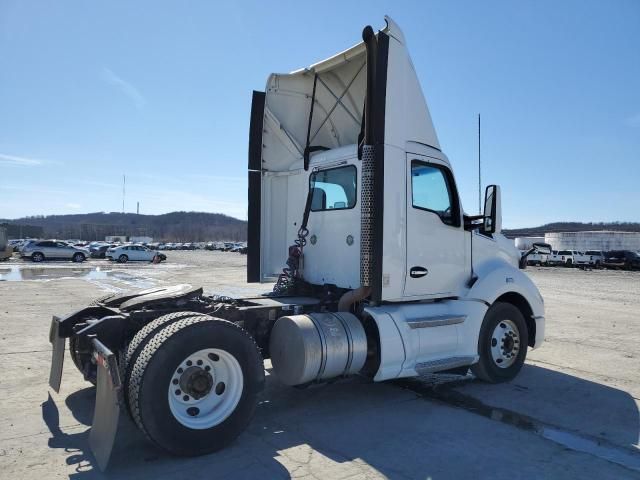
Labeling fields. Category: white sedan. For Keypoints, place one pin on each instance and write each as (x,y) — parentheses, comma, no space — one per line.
(125,253)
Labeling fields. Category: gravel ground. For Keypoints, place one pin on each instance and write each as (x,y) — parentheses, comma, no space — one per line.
(572,413)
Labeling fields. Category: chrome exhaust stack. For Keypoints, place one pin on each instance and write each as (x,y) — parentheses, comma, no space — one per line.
(368,162)
(367,155)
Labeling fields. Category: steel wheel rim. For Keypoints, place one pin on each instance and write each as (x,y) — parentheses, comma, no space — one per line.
(505,344)
(221,399)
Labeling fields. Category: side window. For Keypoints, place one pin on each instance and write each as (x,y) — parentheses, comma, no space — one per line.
(431,190)
(333,189)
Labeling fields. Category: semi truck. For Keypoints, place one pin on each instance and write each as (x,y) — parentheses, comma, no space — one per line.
(355,214)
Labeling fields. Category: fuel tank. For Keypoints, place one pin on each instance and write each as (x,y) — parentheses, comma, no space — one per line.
(317,346)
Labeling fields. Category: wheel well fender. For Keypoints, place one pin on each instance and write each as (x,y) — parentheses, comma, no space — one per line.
(521,304)
(500,282)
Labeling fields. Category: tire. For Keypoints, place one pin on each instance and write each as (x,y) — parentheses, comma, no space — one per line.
(500,319)
(123,258)
(37,257)
(152,384)
(78,257)
(80,353)
(141,338)
(569,263)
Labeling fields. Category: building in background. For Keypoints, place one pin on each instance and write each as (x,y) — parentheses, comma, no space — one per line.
(602,240)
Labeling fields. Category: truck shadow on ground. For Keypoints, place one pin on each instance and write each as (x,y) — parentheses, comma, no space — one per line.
(356,427)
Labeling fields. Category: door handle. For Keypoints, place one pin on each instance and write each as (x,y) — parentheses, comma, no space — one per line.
(417,272)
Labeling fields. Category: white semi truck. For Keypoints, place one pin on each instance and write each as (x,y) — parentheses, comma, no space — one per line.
(386,277)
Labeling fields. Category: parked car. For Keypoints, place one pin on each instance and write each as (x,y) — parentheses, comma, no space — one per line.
(580,258)
(53,249)
(127,253)
(100,251)
(23,243)
(566,257)
(596,257)
(554,259)
(537,259)
(625,259)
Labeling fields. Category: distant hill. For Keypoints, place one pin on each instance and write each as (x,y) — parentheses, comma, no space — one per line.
(572,227)
(170,227)
(201,226)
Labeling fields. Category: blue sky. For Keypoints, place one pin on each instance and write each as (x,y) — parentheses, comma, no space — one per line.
(161,91)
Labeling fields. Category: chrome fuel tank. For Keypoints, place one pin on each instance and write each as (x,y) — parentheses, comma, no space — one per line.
(317,346)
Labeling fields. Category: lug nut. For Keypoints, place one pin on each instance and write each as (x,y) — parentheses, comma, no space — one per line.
(189,363)
(199,362)
(175,381)
(178,392)
(186,398)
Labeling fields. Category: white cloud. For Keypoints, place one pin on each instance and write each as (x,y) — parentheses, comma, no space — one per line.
(125,87)
(21,161)
(73,206)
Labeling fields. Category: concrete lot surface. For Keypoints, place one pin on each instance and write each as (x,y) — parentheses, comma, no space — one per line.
(571,413)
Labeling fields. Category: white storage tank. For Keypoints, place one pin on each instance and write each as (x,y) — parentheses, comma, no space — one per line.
(602,240)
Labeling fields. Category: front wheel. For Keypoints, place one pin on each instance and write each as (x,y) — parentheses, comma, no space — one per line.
(37,257)
(194,386)
(123,258)
(78,258)
(502,345)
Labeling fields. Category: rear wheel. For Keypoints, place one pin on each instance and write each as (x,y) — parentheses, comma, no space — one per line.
(141,338)
(123,258)
(502,344)
(37,257)
(193,388)
(78,257)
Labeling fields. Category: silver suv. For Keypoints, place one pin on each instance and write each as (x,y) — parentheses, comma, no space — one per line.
(53,249)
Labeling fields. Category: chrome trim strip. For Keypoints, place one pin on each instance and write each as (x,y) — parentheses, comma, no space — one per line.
(443,364)
(436,321)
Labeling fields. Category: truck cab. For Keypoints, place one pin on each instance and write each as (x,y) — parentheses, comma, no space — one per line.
(353,135)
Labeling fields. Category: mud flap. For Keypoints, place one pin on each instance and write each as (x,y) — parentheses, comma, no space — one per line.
(107,410)
(57,355)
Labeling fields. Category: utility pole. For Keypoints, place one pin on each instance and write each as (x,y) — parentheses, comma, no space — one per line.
(479,173)
(124,182)
(138,209)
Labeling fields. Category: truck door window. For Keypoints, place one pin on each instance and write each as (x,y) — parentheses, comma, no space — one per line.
(432,190)
(333,189)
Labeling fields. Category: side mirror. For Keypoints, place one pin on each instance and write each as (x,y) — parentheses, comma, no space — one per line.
(492,222)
